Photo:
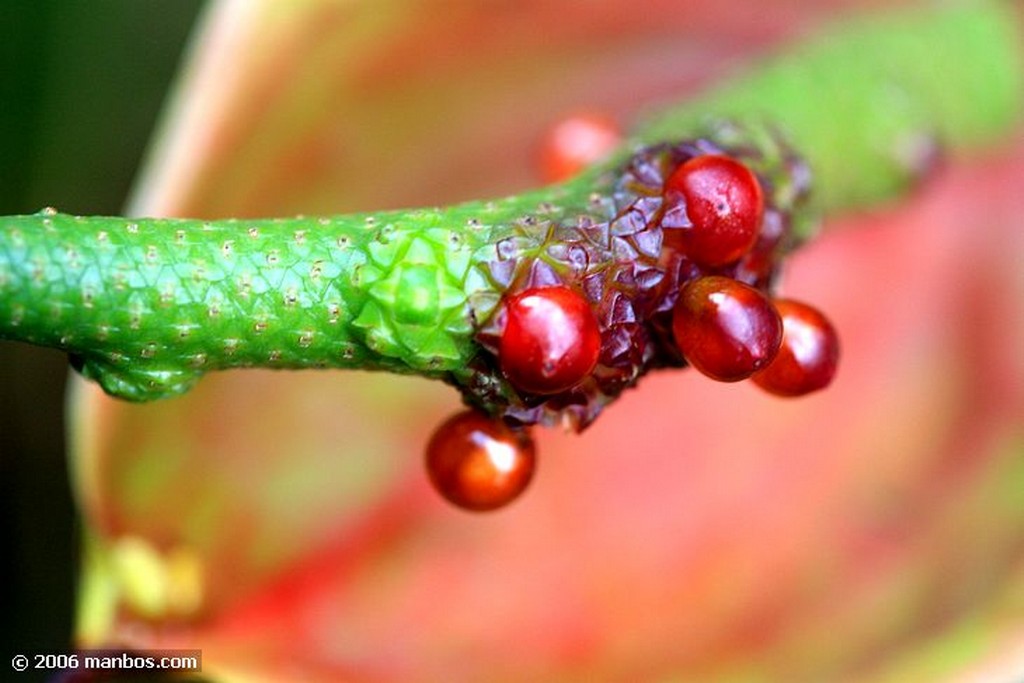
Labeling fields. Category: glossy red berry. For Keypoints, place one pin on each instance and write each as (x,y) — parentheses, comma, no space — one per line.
(724,206)
(479,463)
(726,329)
(576,142)
(808,356)
(550,341)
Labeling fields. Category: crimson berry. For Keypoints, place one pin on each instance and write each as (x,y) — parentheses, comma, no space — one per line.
(809,353)
(724,206)
(551,340)
(726,329)
(479,463)
(576,142)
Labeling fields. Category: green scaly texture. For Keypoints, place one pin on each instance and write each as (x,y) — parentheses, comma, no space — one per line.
(147,306)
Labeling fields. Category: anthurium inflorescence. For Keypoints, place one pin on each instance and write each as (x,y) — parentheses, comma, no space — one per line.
(145,307)
(679,272)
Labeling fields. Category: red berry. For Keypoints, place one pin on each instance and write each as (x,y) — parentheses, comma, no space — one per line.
(809,353)
(726,329)
(576,142)
(479,463)
(724,204)
(551,340)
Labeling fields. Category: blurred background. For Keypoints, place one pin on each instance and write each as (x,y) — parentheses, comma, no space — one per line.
(81,84)
(866,533)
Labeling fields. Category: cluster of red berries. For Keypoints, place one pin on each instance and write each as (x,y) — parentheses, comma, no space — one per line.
(712,214)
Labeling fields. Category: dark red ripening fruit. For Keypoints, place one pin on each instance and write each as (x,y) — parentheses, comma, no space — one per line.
(724,203)
(479,463)
(550,341)
(726,329)
(576,142)
(809,353)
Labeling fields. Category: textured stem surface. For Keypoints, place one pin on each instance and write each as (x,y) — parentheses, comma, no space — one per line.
(148,305)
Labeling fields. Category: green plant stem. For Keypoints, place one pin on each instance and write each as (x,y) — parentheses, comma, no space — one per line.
(147,306)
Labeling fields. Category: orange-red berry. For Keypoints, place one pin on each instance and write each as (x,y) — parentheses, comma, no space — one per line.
(576,142)
(479,463)
(551,340)
(809,354)
(724,206)
(726,329)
